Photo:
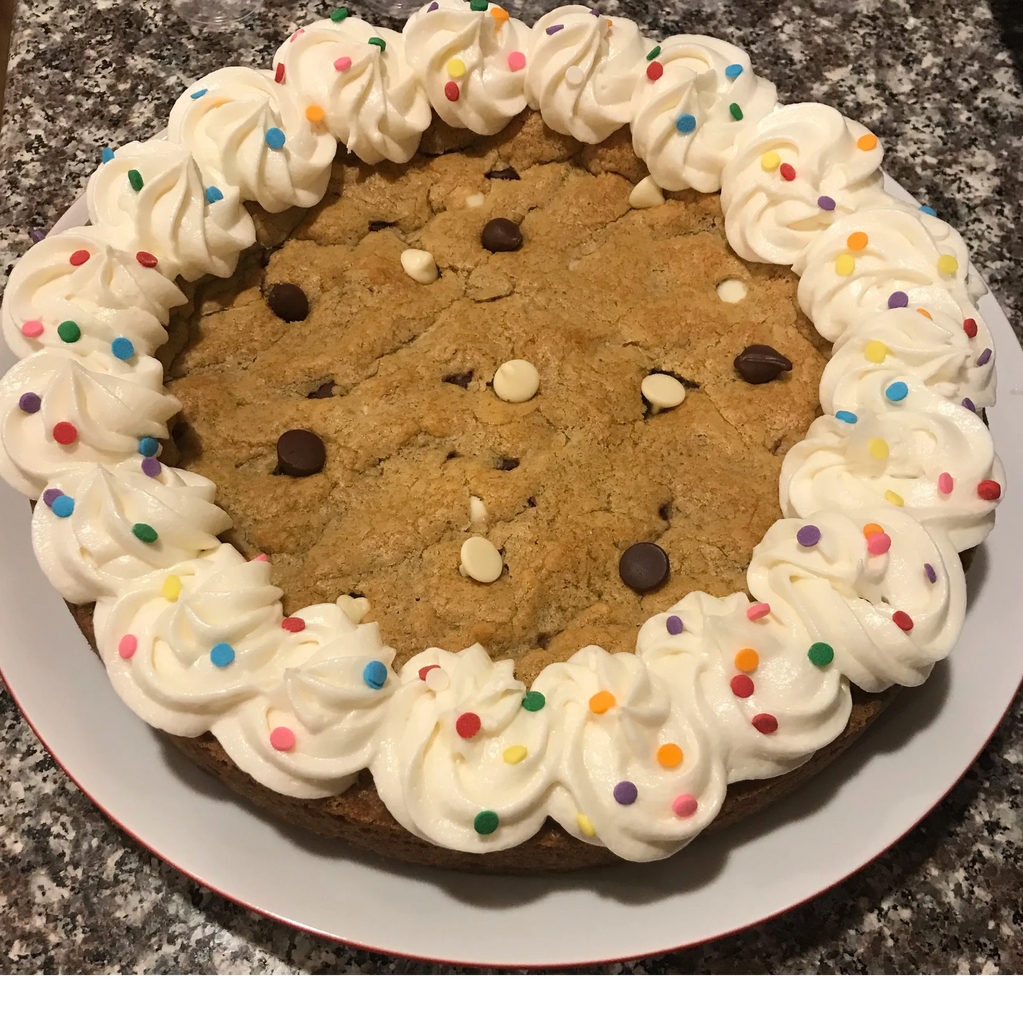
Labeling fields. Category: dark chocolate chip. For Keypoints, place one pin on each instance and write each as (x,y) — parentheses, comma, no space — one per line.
(356,594)
(644,567)
(505,174)
(507,464)
(379,225)
(300,453)
(501,235)
(759,364)
(531,501)
(452,454)
(323,391)
(544,640)
(459,379)
(665,511)
(288,301)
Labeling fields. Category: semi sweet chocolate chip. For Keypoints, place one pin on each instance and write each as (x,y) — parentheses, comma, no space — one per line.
(379,225)
(759,364)
(644,567)
(288,301)
(501,235)
(505,174)
(459,379)
(323,391)
(507,464)
(300,453)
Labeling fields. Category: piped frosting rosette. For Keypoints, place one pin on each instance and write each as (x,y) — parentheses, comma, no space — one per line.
(793,174)
(76,292)
(358,76)
(582,70)
(149,196)
(471,59)
(247,132)
(688,107)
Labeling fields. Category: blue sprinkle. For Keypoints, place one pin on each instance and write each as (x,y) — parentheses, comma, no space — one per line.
(199,93)
(149,446)
(896,391)
(122,348)
(375,674)
(63,506)
(275,138)
(213,194)
(686,124)
(222,655)
(929,210)
(733,70)
(847,417)
(107,155)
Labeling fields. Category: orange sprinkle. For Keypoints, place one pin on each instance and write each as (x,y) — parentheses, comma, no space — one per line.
(924,312)
(746,660)
(857,241)
(314,113)
(669,755)
(866,142)
(602,702)
(871,528)
(498,14)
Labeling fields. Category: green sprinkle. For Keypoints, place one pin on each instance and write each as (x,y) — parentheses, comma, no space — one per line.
(655,52)
(144,532)
(736,111)
(135,179)
(377,41)
(478,5)
(486,822)
(534,701)
(69,331)
(339,14)
(821,654)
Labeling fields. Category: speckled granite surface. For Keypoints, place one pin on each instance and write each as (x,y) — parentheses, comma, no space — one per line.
(938,80)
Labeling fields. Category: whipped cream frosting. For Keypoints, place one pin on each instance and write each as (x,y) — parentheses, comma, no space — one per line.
(687,115)
(859,583)
(371,99)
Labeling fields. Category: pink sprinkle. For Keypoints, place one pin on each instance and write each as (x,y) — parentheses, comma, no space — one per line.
(684,805)
(301,31)
(282,739)
(260,557)
(31,328)
(343,63)
(758,611)
(945,483)
(878,543)
(128,645)
(516,60)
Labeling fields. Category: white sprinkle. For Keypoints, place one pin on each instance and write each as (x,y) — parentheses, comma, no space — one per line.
(646,194)
(437,679)
(662,391)
(355,607)
(574,75)
(419,265)
(476,200)
(481,560)
(731,290)
(516,380)
(477,511)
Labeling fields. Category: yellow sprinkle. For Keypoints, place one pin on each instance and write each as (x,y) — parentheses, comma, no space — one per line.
(314,113)
(172,587)
(515,754)
(876,351)
(456,67)
(948,265)
(770,161)
(890,495)
(845,265)
(878,448)
(585,826)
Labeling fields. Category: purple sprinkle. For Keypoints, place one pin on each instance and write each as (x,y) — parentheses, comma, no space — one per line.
(985,357)
(625,793)
(37,234)
(826,203)
(595,12)
(969,404)
(808,536)
(554,28)
(930,573)
(432,7)
(674,625)
(30,402)
(49,496)
(151,466)
(898,300)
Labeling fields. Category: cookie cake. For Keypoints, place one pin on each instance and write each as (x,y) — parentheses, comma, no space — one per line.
(536,441)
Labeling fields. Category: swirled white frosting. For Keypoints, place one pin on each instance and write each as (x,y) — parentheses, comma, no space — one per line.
(371,99)
(686,122)
(110,404)
(169,213)
(108,294)
(448,42)
(771,214)
(248,132)
(92,551)
(581,75)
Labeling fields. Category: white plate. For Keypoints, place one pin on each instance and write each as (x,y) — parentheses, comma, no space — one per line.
(785,855)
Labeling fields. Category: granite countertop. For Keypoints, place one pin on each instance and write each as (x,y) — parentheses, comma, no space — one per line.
(937,80)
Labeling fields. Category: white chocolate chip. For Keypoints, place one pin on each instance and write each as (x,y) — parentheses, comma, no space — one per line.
(355,607)
(481,560)
(478,199)
(574,75)
(732,290)
(477,511)
(419,265)
(516,380)
(646,194)
(662,391)
(437,679)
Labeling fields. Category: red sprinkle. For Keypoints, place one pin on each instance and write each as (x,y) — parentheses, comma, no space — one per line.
(423,672)
(279,73)
(788,172)
(468,725)
(79,256)
(451,91)
(293,624)
(65,433)
(146,259)
(989,490)
(654,70)
(765,723)
(742,686)
(970,326)
(903,621)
